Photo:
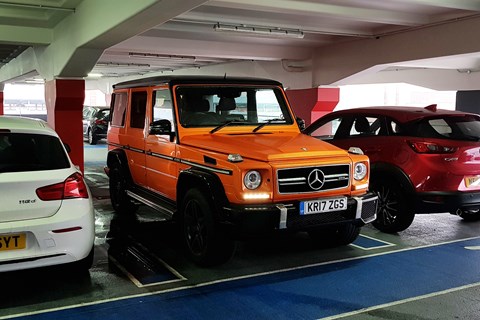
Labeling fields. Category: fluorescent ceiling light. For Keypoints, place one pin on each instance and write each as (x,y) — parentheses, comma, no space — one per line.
(155,56)
(121,65)
(95,75)
(260,31)
(35,81)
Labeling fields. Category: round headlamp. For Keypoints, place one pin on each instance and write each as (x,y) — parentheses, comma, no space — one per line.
(252,180)
(360,171)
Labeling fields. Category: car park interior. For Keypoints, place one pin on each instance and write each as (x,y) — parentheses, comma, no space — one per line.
(220,118)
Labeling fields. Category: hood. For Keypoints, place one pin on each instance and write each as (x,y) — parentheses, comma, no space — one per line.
(265,146)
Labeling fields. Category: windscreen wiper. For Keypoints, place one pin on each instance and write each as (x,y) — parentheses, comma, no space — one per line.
(225,125)
(268,122)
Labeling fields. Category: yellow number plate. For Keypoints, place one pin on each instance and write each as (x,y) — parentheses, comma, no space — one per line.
(472,181)
(12,241)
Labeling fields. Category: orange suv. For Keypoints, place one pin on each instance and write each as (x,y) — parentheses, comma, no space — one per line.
(225,157)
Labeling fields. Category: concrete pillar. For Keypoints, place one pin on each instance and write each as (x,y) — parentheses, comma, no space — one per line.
(468,101)
(311,104)
(64,99)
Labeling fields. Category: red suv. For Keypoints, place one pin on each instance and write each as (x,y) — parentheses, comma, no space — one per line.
(423,160)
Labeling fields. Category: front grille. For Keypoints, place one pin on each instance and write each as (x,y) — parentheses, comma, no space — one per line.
(313,179)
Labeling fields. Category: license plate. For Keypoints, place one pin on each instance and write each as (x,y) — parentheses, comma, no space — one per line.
(472,181)
(12,241)
(325,205)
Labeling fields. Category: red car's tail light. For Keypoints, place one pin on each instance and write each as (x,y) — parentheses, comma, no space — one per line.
(72,187)
(430,147)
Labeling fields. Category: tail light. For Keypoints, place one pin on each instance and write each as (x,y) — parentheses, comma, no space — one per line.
(430,147)
(99,122)
(73,187)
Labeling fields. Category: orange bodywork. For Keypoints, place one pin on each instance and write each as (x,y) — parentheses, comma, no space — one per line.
(155,161)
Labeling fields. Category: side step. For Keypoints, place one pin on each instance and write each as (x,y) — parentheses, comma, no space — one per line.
(161,204)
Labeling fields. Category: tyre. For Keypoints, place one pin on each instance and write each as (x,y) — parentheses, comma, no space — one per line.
(118,185)
(91,137)
(333,237)
(206,244)
(394,213)
(469,216)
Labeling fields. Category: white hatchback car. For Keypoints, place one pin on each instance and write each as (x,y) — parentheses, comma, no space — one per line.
(46,210)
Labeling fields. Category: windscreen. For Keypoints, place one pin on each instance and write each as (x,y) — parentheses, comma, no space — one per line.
(31,152)
(216,105)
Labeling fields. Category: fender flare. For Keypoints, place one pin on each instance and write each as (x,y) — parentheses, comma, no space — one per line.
(383,169)
(205,181)
(119,155)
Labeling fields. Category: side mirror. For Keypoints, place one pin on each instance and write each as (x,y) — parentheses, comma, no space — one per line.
(162,127)
(301,123)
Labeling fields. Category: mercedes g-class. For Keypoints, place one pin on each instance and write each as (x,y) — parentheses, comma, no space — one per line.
(225,157)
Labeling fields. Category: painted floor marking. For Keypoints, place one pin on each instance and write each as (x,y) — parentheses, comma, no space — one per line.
(167,296)
(364,242)
(395,303)
(473,248)
(151,280)
(137,282)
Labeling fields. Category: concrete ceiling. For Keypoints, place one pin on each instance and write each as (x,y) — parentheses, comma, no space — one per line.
(287,30)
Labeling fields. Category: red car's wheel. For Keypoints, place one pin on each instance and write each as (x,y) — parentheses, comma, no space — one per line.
(394,213)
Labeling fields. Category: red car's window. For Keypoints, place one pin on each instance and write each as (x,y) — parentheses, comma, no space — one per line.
(456,128)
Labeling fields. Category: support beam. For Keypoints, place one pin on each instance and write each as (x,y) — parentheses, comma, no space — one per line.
(337,62)
(64,100)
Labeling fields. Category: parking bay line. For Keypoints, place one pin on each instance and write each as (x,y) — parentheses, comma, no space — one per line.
(142,267)
(282,289)
(364,242)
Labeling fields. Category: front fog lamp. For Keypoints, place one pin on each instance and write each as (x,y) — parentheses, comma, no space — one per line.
(252,180)
(360,171)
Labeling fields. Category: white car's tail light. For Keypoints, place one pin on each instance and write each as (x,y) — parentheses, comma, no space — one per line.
(72,187)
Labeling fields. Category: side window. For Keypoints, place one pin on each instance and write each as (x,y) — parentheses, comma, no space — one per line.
(365,126)
(394,127)
(119,109)
(85,113)
(138,108)
(162,106)
(327,130)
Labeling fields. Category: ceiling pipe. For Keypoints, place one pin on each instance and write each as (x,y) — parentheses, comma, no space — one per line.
(35,6)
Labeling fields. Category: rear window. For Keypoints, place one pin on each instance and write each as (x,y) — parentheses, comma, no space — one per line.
(31,152)
(455,128)
(103,113)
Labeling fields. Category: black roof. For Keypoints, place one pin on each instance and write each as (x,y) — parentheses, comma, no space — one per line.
(172,80)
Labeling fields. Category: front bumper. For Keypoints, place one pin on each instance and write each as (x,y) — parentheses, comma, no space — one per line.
(437,202)
(261,219)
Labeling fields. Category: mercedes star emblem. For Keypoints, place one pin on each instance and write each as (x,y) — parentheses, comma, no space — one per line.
(316,179)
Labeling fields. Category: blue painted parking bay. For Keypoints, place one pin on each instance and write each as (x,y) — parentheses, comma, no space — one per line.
(311,292)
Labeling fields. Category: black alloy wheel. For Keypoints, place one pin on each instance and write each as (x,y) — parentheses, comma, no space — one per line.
(91,138)
(394,213)
(205,243)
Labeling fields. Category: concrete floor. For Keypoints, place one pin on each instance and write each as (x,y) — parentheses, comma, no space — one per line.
(138,263)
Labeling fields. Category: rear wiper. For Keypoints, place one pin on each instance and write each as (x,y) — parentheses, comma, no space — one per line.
(225,125)
(268,122)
